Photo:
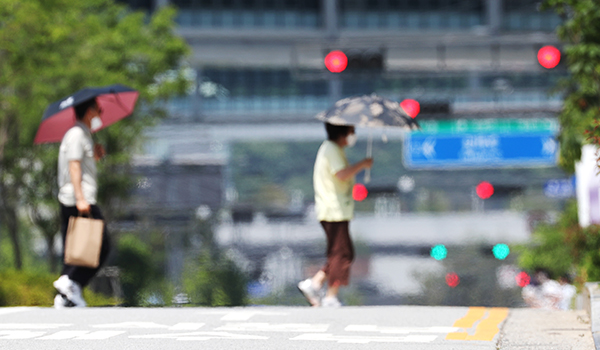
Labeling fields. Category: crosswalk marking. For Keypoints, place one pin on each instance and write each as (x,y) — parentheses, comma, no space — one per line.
(12,310)
(365,339)
(6,326)
(242,315)
(20,334)
(186,326)
(199,336)
(281,327)
(131,325)
(399,330)
(82,335)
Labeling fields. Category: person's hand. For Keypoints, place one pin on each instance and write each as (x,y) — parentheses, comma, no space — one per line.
(99,151)
(83,206)
(367,163)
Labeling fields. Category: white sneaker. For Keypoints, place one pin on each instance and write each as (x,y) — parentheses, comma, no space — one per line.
(60,302)
(70,290)
(330,302)
(310,292)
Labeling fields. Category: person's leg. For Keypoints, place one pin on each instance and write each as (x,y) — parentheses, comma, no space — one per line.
(340,257)
(65,215)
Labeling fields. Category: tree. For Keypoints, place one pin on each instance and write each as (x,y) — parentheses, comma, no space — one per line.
(52,48)
(580,32)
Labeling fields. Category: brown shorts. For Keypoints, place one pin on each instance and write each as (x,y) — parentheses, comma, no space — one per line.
(340,252)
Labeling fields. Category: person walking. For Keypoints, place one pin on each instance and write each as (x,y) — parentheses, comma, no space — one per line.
(78,186)
(333,180)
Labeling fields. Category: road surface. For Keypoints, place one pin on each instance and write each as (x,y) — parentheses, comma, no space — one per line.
(289,328)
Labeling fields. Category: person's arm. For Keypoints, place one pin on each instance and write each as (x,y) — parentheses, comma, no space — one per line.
(75,171)
(354,169)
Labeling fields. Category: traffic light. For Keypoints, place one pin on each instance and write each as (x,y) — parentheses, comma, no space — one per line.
(484,190)
(452,279)
(355,61)
(439,252)
(523,279)
(411,107)
(500,251)
(336,61)
(549,56)
(359,192)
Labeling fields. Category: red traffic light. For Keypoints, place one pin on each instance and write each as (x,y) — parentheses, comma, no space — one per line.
(522,279)
(336,61)
(452,280)
(411,107)
(484,190)
(548,56)
(359,192)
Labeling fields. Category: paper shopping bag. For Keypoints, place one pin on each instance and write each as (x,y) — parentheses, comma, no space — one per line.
(83,242)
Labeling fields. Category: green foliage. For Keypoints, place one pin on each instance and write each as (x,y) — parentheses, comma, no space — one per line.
(550,247)
(563,247)
(21,288)
(211,278)
(52,48)
(580,32)
(134,260)
(211,281)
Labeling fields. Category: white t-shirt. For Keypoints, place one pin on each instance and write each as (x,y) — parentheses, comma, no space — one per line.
(77,144)
(333,197)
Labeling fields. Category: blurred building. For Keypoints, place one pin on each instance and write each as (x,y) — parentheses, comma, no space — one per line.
(260,76)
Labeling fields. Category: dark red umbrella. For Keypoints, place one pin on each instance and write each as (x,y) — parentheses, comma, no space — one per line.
(116,102)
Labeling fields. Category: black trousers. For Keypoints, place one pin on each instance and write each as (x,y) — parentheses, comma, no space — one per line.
(82,275)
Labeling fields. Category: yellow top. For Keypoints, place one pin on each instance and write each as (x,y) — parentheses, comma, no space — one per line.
(333,197)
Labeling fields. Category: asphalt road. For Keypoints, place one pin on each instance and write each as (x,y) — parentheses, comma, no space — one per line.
(289,328)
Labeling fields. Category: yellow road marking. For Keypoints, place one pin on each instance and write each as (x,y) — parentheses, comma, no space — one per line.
(486,329)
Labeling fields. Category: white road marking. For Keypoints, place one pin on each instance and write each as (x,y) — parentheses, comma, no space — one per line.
(365,339)
(12,310)
(4,326)
(20,334)
(400,330)
(200,336)
(98,335)
(266,327)
(186,326)
(242,315)
(132,325)
(63,335)
(82,335)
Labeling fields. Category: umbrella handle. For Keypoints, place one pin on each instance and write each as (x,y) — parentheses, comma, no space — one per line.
(367,177)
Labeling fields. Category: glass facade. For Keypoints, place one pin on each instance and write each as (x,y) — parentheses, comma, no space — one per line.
(262,91)
(411,14)
(248,13)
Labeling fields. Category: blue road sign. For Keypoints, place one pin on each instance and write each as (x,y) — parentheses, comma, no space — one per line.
(560,188)
(481,150)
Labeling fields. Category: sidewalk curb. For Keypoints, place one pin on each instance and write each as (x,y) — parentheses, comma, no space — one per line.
(592,306)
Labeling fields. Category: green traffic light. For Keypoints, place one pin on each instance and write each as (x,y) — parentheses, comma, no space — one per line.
(439,252)
(501,251)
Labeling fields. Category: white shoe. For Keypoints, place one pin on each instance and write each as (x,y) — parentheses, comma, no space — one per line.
(70,290)
(60,302)
(310,292)
(330,302)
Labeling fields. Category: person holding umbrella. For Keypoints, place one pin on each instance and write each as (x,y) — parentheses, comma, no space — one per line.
(72,121)
(333,180)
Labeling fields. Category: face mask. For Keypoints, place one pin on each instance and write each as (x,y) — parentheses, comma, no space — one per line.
(96,123)
(351,140)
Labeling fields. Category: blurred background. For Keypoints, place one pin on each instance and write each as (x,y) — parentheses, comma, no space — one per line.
(221,207)
(238,150)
